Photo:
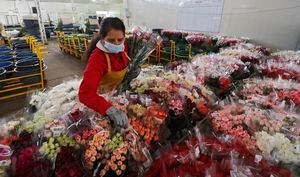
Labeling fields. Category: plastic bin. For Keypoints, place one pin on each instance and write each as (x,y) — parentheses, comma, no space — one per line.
(166,53)
(2,76)
(25,55)
(27,64)
(27,67)
(182,55)
(7,65)
(6,58)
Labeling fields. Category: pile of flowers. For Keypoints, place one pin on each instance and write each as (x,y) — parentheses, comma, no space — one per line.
(209,117)
(246,52)
(287,56)
(219,72)
(273,93)
(285,70)
(209,156)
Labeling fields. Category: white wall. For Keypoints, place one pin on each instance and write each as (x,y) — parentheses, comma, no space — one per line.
(152,15)
(273,23)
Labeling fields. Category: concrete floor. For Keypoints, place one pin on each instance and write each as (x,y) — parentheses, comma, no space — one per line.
(60,67)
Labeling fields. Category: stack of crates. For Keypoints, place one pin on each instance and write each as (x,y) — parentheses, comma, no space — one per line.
(21,68)
(73,44)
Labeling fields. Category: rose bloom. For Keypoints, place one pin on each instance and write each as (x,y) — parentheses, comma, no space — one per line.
(123,167)
(123,158)
(119,172)
(114,167)
(120,163)
(103,172)
(113,158)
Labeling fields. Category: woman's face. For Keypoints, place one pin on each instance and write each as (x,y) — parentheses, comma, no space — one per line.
(115,37)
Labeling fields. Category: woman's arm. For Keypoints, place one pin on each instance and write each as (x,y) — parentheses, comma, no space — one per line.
(88,90)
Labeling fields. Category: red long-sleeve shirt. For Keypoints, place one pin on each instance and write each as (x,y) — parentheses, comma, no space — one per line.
(96,68)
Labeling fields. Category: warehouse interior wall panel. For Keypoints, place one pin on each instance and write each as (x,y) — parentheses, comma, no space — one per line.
(273,23)
(152,15)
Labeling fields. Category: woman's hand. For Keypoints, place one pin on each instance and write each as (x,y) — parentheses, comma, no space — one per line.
(119,117)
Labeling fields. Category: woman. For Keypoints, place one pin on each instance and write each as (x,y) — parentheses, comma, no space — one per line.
(106,68)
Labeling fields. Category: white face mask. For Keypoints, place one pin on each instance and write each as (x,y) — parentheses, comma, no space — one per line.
(114,48)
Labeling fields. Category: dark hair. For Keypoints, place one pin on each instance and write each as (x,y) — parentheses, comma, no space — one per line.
(105,26)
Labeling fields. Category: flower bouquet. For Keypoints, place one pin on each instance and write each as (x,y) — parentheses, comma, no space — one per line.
(284,70)
(141,44)
(201,43)
(57,101)
(67,163)
(176,36)
(147,122)
(106,154)
(258,128)
(274,93)
(52,146)
(287,56)
(5,159)
(225,41)
(245,52)
(278,147)
(28,163)
(200,156)
(220,72)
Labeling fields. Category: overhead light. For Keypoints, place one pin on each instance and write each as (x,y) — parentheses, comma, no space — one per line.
(94,0)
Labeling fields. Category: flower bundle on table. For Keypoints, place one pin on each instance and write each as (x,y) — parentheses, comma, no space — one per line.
(67,163)
(198,39)
(117,161)
(278,147)
(138,149)
(274,93)
(8,139)
(37,124)
(52,146)
(244,52)
(216,65)
(13,126)
(77,120)
(290,96)
(287,56)
(5,158)
(285,70)
(231,119)
(220,72)
(229,157)
(146,119)
(174,87)
(108,154)
(148,126)
(202,43)
(173,35)
(57,101)
(266,84)
(29,164)
(97,143)
(81,137)
(225,41)
(252,118)
(54,128)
